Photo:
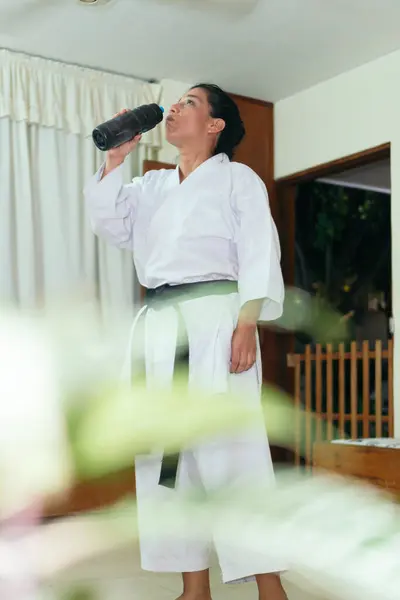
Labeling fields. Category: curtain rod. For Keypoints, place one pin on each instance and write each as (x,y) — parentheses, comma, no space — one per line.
(98,69)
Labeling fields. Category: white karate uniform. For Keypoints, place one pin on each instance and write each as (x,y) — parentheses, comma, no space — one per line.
(215,225)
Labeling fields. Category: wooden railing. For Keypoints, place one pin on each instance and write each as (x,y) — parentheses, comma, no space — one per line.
(333,389)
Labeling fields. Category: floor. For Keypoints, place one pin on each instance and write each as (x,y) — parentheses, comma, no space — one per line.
(118,576)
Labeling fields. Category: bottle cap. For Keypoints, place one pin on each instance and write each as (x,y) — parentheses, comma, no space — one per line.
(162,109)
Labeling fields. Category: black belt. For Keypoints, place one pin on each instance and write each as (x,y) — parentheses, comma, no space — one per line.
(166,294)
(172,295)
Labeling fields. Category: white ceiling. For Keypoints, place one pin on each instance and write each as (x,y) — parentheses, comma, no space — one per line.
(269,49)
(374,177)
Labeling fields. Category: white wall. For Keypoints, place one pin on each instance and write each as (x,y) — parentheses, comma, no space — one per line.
(355,111)
(171,92)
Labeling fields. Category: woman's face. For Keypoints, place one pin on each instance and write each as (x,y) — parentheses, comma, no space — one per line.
(189,120)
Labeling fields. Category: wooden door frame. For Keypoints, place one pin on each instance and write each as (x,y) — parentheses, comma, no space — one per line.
(333,167)
(286,191)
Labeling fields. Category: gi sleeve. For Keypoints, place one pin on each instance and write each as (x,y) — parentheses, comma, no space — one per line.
(257,244)
(112,206)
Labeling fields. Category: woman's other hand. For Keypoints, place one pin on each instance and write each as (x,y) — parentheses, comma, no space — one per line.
(244,347)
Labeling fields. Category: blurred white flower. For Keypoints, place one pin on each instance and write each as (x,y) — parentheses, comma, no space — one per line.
(34,455)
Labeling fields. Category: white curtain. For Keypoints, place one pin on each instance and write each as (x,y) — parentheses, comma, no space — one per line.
(47,113)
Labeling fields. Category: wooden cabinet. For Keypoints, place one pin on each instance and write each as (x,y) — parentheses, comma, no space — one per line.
(257,148)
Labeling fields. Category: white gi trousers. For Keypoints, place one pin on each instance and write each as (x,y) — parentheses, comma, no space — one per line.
(228,461)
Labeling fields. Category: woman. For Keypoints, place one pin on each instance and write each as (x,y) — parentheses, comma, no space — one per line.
(202,229)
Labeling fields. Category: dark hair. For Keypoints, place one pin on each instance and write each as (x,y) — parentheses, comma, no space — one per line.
(223,107)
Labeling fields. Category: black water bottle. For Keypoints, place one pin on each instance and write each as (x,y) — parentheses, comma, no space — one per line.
(125,127)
